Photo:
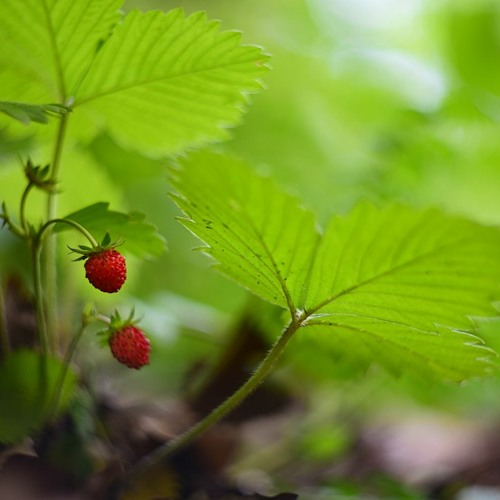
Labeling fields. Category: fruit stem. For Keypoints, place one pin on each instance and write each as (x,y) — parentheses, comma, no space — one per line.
(175,445)
(22,209)
(52,410)
(73,224)
(40,304)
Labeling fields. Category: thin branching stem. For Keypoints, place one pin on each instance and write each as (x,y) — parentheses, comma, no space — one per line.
(175,445)
(71,223)
(52,409)
(40,304)
(22,208)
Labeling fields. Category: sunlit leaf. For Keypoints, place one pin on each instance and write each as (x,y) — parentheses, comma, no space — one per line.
(165,81)
(260,236)
(394,286)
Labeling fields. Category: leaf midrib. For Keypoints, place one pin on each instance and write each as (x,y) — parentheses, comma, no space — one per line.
(154,80)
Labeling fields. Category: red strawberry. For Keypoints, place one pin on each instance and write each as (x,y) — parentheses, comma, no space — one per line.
(106,270)
(130,346)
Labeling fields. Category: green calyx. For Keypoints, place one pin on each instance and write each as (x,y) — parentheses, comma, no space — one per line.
(115,323)
(86,251)
(40,177)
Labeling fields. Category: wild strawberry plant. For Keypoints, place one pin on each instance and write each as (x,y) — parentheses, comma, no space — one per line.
(78,67)
(395,286)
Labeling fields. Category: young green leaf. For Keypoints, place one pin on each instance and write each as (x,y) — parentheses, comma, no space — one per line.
(166,81)
(26,113)
(27,393)
(395,285)
(259,236)
(141,238)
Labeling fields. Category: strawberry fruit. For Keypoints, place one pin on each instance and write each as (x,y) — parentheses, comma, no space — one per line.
(130,346)
(106,270)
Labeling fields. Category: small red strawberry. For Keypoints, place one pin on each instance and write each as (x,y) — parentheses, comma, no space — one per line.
(130,346)
(106,270)
(105,267)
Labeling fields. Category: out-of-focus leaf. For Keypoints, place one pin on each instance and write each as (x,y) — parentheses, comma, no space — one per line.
(140,238)
(25,113)
(28,383)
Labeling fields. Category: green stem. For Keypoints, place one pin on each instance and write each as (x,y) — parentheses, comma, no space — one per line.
(52,410)
(175,445)
(22,209)
(71,223)
(40,304)
(50,254)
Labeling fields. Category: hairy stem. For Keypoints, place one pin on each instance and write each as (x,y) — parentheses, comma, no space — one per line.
(175,445)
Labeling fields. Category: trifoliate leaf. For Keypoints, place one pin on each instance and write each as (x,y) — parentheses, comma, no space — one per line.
(259,236)
(28,389)
(396,286)
(140,238)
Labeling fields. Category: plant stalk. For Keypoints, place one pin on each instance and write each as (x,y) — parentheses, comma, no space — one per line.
(50,254)
(52,410)
(175,445)
(71,223)
(40,304)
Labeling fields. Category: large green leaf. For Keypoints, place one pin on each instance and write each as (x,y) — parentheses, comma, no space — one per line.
(260,236)
(396,285)
(29,386)
(164,81)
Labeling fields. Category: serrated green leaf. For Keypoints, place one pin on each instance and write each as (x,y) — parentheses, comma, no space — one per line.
(26,393)
(394,286)
(141,238)
(166,81)
(260,236)
(404,285)
(160,82)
